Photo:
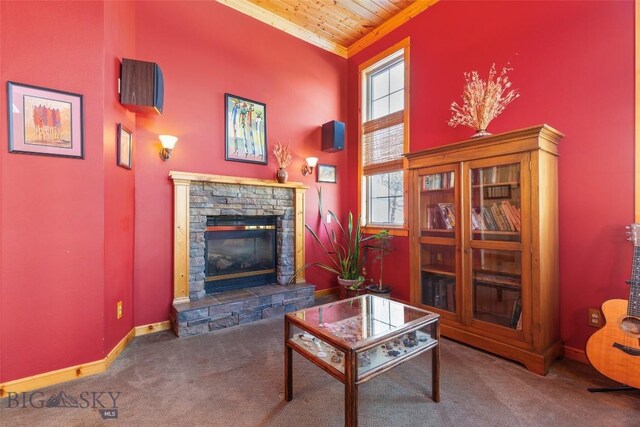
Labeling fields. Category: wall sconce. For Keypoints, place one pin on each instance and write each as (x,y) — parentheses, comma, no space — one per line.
(311,163)
(168,143)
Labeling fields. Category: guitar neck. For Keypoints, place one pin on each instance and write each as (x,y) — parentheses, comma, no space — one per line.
(634,288)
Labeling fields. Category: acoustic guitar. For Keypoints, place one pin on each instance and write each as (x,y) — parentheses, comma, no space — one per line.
(615,349)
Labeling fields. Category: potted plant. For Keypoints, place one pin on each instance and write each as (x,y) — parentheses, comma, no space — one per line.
(345,250)
(381,246)
(283,158)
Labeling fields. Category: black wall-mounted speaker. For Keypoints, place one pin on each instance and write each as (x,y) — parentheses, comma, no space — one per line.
(141,86)
(333,136)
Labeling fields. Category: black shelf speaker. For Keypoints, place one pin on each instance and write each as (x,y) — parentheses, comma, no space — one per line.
(333,136)
(141,86)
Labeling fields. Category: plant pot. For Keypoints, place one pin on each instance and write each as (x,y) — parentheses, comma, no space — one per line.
(281,176)
(351,288)
(382,292)
(480,133)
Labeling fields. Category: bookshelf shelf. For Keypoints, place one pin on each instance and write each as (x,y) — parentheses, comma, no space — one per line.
(446,271)
(495,184)
(438,230)
(500,285)
(485,256)
(437,189)
(503,233)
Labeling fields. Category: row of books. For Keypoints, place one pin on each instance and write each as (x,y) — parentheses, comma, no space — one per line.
(438,181)
(489,175)
(441,217)
(439,291)
(497,192)
(497,217)
(496,174)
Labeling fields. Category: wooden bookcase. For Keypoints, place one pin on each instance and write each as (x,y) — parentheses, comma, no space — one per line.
(484,242)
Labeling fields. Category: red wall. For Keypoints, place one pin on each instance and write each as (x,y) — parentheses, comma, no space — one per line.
(204,50)
(573,64)
(79,235)
(69,226)
(52,235)
(119,42)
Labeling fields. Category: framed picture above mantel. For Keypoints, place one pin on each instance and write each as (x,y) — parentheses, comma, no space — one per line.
(245,130)
(44,121)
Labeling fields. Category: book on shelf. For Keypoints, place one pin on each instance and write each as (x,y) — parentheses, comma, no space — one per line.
(506,213)
(489,221)
(435,219)
(497,215)
(512,214)
(475,221)
(516,313)
(516,215)
(448,211)
(451,295)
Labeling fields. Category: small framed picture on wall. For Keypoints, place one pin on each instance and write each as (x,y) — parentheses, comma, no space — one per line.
(125,146)
(326,173)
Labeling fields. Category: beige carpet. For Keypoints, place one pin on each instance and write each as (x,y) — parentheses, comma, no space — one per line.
(234,377)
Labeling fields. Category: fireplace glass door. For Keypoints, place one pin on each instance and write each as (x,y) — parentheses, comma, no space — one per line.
(240,252)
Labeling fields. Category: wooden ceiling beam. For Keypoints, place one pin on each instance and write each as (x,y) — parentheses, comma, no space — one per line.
(405,15)
(280,23)
(343,27)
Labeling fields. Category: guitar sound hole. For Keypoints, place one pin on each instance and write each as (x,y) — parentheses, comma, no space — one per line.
(631,325)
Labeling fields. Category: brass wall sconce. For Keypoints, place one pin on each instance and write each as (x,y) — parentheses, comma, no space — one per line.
(311,163)
(168,143)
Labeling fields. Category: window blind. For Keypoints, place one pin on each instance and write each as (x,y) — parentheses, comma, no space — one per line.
(383,139)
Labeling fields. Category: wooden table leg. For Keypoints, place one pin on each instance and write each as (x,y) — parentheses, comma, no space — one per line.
(350,390)
(288,367)
(435,365)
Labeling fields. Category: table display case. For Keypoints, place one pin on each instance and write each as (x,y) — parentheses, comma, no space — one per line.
(357,339)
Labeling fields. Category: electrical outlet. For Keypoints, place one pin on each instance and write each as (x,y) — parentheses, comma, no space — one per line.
(119,310)
(595,317)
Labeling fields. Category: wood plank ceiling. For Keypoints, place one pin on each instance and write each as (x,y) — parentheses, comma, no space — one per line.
(343,27)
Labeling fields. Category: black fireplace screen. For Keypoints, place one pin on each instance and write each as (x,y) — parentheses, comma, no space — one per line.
(240,252)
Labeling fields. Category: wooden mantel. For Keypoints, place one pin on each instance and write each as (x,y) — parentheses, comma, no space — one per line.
(181,184)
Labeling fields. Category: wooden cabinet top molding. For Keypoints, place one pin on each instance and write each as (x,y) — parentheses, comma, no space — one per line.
(541,137)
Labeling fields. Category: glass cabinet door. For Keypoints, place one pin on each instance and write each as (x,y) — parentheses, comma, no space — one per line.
(495,203)
(438,223)
(497,293)
(495,241)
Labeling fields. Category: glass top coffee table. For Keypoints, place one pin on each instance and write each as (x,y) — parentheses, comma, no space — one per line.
(360,338)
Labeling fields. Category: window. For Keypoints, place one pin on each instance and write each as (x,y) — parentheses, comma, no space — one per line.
(384,137)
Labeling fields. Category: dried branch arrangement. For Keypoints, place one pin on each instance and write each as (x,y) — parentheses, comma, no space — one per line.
(482,101)
(282,155)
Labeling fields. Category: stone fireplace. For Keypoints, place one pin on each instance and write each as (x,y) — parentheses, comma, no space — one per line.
(237,242)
